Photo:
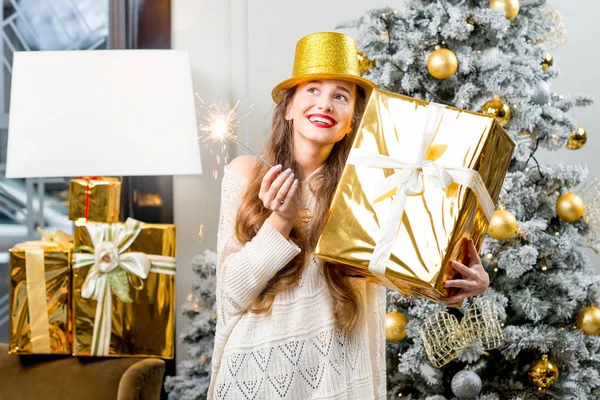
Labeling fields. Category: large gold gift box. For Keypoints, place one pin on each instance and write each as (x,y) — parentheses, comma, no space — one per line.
(124,289)
(95,199)
(39,298)
(399,214)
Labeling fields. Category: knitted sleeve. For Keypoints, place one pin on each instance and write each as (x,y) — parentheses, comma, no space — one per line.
(243,271)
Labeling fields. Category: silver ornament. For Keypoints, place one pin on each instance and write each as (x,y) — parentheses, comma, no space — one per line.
(541,93)
(466,384)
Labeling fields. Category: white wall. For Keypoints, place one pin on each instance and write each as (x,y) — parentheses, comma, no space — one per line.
(240,49)
(579,61)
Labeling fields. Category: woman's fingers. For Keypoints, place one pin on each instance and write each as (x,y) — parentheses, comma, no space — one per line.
(268,178)
(463,269)
(460,283)
(281,194)
(276,185)
(455,300)
(289,197)
(473,254)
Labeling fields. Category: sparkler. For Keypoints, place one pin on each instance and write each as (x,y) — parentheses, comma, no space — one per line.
(221,123)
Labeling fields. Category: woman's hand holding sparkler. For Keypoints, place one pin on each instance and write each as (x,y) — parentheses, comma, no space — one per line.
(278,188)
(277,194)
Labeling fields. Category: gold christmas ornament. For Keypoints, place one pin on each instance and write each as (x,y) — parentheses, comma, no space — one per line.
(442,63)
(365,65)
(547,62)
(502,225)
(510,7)
(499,109)
(543,373)
(570,207)
(395,326)
(588,320)
(577,139)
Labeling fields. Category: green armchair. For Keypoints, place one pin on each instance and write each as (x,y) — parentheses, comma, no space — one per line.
(47,377)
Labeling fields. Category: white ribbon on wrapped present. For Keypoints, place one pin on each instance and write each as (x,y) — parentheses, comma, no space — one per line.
(110,241)
(408,179)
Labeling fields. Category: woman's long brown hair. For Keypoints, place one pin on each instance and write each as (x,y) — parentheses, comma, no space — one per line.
(252,214)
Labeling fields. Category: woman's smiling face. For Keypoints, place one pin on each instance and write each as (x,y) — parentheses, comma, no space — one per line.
(322,111)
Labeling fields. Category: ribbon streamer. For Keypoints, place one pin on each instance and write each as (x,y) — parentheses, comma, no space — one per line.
(110,243)
(407,180)
(36,299)
(88,191)
(35,273)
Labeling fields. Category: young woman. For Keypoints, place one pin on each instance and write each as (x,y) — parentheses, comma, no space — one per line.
(290,325)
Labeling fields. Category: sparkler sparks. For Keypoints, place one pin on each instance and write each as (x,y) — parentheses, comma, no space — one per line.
(220,123)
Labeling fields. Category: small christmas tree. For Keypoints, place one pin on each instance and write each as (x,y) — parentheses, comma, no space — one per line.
(193,377)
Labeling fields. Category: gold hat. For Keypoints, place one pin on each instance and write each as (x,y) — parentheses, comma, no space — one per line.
(324,55)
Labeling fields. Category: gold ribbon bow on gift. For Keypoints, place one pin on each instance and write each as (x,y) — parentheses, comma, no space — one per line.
(444,337)
(110,272)
(408,180)
(35,266)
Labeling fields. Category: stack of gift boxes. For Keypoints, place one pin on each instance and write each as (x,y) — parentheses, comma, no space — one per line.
(107,291)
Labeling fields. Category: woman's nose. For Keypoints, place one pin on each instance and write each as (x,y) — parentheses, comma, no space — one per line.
(324,103)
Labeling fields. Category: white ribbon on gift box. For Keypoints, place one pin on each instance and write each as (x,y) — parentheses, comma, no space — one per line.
(110,243)
(408,179)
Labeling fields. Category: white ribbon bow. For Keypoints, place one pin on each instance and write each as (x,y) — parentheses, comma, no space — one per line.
(110,242)
(408,179)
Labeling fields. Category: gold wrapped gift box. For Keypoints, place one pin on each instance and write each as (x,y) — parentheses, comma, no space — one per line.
(126,314)
(430,231)
(95,199)
(39,298)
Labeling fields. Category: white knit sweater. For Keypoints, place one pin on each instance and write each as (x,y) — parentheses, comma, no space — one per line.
(294,352)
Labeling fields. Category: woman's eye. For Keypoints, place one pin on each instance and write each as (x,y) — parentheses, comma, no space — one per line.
(340,97)
(312,89)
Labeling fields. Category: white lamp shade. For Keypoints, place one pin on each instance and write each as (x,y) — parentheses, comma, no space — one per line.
(102,113)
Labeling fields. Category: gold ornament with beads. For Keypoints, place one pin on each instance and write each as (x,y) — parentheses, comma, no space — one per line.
(442,63)
(395,326)
(547,62)
(577,139)
(588,320)
(570,207)
(499,109)
(510,7)
(365,64)
(502,225)
(543,373)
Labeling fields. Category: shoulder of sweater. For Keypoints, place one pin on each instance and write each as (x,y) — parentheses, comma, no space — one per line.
(241,166)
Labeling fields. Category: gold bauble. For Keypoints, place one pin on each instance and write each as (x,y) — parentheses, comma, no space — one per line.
(547,62)
(395,326)
(570,207)
(365,64)
(499,109)
(543,373)
(510,7)
(442,63)
(502,225)
(588,320)
(577,139)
